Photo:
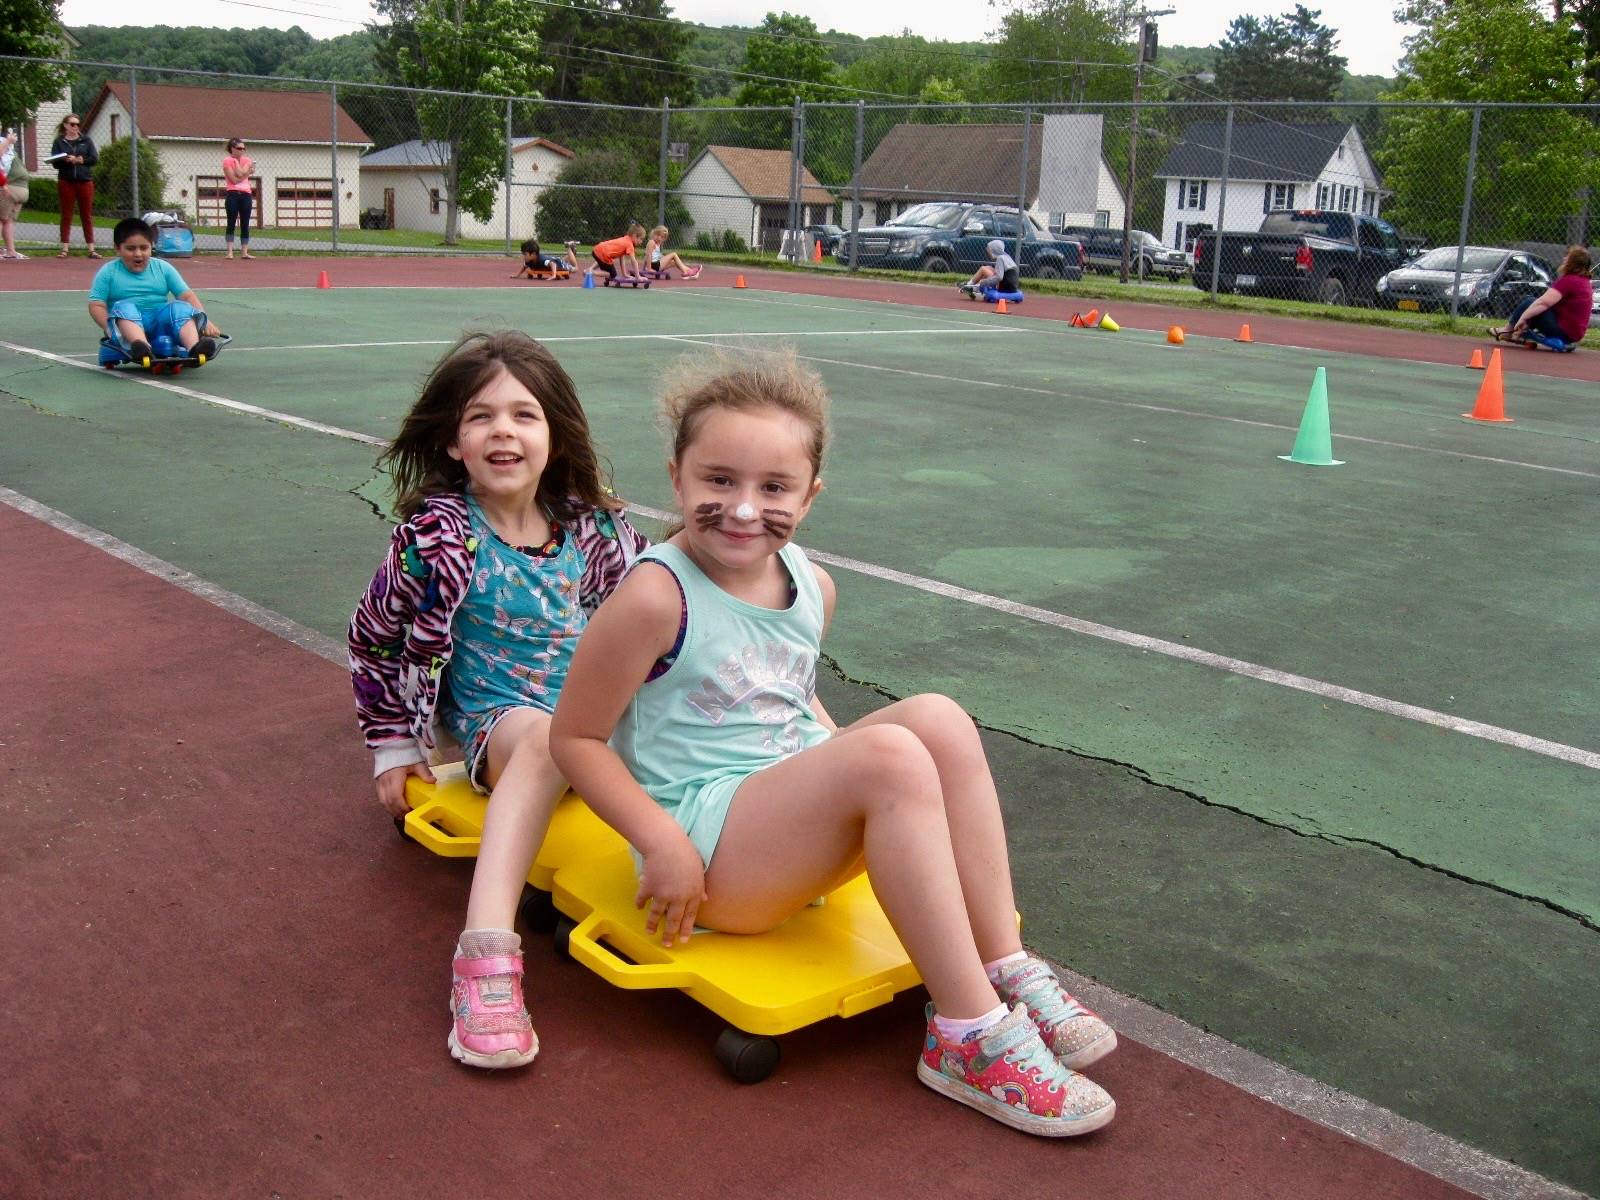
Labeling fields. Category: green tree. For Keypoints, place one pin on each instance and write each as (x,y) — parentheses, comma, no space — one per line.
(915,68)
(426,46)
(350,58)
(32,29)
(599,195)
(794,68)
(1535,166)
(1063,51)
(600,50)
(113,179)
(1280,58)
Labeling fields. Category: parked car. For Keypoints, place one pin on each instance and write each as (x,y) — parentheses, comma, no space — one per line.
(1103,250)
(1493,281)
(828,235)
(940,237)
(1306,254)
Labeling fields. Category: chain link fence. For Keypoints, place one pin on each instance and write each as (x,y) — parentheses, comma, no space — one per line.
(850,186)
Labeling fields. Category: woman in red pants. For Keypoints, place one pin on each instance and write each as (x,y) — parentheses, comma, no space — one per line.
(74,156)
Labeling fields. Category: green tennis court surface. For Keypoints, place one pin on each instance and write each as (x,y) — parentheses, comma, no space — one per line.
(1238,778)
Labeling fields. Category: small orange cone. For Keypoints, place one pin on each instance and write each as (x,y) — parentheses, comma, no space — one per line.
(1000,306)
(1091,318)
(1244,334)
(1476,363)
(1076,320)
(816,250)
(738,281)
(1491,404)
(1175,335)
(322,280)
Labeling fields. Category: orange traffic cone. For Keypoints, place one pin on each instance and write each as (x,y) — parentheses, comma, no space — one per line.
(1491,404)
(1075,320)
(1175,335)
(738,281)
(1476,362)
(1000,306)
(816,250)
(1091,318)
(1244,334)
(322,280)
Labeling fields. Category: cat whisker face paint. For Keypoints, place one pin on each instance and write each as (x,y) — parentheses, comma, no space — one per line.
(779,522)
(708,515)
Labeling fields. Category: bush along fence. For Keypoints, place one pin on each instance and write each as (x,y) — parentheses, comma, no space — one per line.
(1216,193)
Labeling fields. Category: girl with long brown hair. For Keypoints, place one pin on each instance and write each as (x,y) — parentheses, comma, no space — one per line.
(509,538)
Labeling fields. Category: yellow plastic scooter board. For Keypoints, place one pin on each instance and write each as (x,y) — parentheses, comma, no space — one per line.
(838,958)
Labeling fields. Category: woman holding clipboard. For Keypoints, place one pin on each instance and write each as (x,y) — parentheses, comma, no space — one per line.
(74,156)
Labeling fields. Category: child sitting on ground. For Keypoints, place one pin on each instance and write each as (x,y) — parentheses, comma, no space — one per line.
(509,539)
(616,257)
(129,300)
(537,265)
(1002,277)
(661,263)
(690,723)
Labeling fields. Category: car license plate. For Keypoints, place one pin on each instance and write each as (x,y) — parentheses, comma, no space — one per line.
(1247,281)
(1408,305)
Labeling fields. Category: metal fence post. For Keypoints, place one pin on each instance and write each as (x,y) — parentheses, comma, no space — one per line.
(133,138)
(333,159)
(1022,182)
(1466,213)
(797,137)
(661,176)
(855,180)
(510,166)
(1222,202)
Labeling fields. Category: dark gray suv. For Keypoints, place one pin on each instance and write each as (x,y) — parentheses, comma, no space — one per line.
(942,236)
(1103,249)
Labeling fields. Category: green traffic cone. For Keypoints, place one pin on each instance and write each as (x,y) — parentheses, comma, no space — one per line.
(1313,445)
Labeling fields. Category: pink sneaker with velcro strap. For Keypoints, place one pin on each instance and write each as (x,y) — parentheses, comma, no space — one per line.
(492,1028)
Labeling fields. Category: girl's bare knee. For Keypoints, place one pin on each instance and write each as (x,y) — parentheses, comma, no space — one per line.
(894,764)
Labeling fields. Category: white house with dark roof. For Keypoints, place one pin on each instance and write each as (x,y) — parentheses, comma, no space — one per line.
(978,164)
(408,183)
(1271,165)
(287,134)
(747,191)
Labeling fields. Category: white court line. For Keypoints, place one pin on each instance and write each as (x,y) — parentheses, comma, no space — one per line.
(1370,1124)
(1235,666)
(1169,410)
(593,337)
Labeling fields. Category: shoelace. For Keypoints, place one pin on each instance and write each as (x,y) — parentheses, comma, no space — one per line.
(1021,1046)
(1043,994)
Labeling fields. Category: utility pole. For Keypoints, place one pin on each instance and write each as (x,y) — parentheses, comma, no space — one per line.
(1147,52)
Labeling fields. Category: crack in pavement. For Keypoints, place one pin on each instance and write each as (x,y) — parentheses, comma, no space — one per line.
(1336,839)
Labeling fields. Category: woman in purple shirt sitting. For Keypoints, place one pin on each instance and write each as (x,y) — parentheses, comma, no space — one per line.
(1563,310)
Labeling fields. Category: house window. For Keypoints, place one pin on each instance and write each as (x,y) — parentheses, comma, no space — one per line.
(1192,193)
(1322,195)
(1102,218)
(433,201)
(1277,195)
(116,126)
(1347,199)
(1369,203)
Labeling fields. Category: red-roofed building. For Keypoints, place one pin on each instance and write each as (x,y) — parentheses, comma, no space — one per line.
(287,134)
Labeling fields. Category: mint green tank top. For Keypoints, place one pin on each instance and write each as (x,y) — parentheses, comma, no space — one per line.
(737,698)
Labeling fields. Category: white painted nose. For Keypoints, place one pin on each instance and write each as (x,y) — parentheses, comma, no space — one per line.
(744,512)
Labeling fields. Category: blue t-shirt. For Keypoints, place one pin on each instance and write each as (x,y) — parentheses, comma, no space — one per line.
(148,288)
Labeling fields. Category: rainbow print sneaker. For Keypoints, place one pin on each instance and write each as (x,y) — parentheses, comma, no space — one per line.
(1008,1074)
(1074,1034)
(491,1028)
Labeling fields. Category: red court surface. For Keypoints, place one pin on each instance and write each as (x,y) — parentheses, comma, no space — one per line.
(230,978)
(213,272)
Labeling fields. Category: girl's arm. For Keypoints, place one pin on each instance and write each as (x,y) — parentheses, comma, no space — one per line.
(100,313)
(232,170)
(623,639)
(1548,300)
(377,639)
(830,596)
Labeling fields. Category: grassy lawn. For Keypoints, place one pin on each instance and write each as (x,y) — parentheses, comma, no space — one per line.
(42,226)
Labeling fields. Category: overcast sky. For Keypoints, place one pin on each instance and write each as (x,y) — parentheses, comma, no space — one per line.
(1369,36)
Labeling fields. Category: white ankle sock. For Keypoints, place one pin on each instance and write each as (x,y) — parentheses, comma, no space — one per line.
(993,968)
(962,1031)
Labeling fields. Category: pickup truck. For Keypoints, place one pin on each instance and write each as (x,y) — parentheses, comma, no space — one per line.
(944,236)
(1305,254)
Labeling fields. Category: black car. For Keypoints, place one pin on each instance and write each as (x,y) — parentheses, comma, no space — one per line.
(944,236)
(828,235)
(1103,249)
(1493,281)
